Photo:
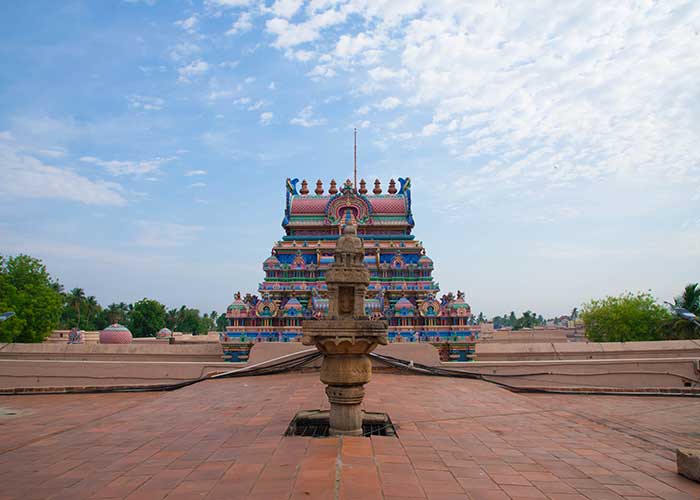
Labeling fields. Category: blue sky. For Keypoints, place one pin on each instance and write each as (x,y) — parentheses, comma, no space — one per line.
(553,147)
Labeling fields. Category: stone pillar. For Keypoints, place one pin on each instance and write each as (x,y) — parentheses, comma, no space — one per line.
(347,336)
(345,375)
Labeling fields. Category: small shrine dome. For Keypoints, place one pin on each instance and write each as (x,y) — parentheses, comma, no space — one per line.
(271,262)
(404,307)
(293,307)
(458,306)
(237,305)
(164,333)
(425,262)
(116,334)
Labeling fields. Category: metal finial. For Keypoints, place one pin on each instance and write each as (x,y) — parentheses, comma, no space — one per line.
(355,161)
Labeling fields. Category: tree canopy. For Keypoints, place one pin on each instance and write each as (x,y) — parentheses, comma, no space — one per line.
(27,289)
(628,317)
(147,317)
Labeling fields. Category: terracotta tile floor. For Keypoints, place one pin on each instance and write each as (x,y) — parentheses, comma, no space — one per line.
(458,439)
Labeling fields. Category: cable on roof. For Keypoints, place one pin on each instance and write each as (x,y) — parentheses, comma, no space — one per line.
(448,372)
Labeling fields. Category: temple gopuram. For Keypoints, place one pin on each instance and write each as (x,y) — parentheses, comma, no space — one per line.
(401,289)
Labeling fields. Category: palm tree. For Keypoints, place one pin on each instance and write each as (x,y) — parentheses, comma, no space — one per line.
(92,306)
(682,328)
(75,300)
(574,313)
(690,298)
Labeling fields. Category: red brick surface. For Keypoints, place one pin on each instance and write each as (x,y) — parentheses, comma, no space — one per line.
(458,439)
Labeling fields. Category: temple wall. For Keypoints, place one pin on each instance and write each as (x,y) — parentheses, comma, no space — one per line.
(495,351)
(630,366)
(154,350)
(33,373)
(530,335)
(633,374)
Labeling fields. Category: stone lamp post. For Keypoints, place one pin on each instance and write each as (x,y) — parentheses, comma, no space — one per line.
(347,337)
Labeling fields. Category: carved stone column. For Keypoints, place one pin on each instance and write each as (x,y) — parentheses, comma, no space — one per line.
(347,337)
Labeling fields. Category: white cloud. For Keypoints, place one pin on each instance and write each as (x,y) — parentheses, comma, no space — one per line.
(198,185)
(306,118)
(286,8)
(389,103)
(241,25)
(229,64)
(321,72)
(121,167)
(266,118)
(546,95)
(300,55)
(380,73)
(351,46)
(289,34)
(25,176)
(180,52)
(161,235)
(192,70)
(430,129)
(222,94)
(145,102)
(256,106)
(189,24)
(226,3)
(272,86)
(190,173)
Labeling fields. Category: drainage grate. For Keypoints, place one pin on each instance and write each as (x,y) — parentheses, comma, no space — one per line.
(314,423)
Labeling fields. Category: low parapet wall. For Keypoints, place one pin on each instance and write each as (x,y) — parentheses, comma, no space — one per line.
(587,350)
(22,373)
(154,351)
(629,374)
(111,365)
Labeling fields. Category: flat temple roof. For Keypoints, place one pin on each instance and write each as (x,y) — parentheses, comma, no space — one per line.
(457,439)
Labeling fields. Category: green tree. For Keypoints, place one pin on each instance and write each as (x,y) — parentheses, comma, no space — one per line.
(92,309)
(27,289)
(221,322)
(172,319)
(188,321)
(626,318)
(76,298)
(527,320)
(147,317)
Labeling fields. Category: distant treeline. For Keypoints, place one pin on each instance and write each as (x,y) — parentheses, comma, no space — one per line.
(40,305)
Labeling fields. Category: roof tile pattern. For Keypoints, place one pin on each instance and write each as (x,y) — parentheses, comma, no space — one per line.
(388,205)
(312,205)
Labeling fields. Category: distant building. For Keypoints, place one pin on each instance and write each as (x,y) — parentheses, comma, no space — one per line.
(401,290)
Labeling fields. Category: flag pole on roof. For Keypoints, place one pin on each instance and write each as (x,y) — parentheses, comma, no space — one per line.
(355,162)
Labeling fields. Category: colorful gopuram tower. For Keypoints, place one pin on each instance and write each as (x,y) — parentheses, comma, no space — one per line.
(401,288)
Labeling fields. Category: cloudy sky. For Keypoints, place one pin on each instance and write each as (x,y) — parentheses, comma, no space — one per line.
(554,147)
